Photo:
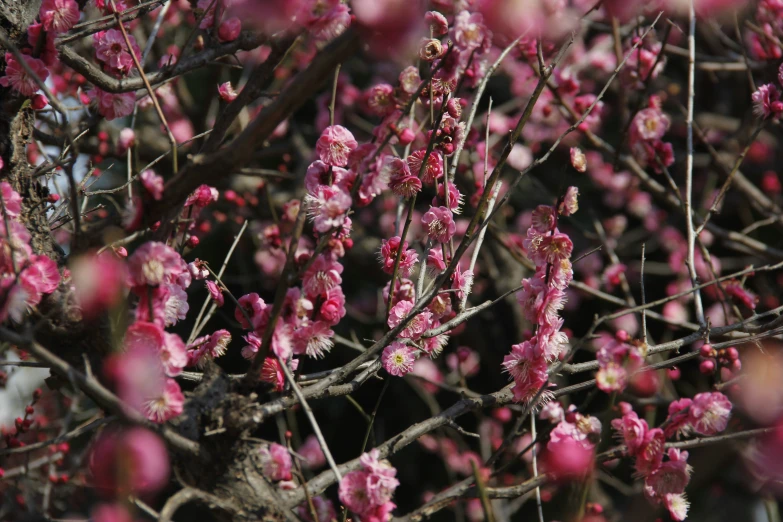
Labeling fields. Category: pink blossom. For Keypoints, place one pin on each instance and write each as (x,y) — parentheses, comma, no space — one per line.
(528,369)
(112,106)
(578,160)
(151,337)
(152,183)
(275,462)
(678,421)
(35,33)
(766,101)
(709,413)
(98,281)
(326,19)
(335,144)
(319,175)
(215,293)
(11,199)
(631,429)
(439,223)
(650,453)
(469,32)
(388,256)
(677,505)
(17,77)
(227,92)
(229,30)
(322,275)
(314,340)
(415,327)
(59,16)
(437,22)
(398,359)
(255,308)
(42,274)
(208,347)
(430,374)
(433,170)
(132,460)
(155,263)
(570,203)
(327,208)
(312,452)
(202,196)
(110,48)
(568,458)
(671,477)
(333,306)
(126,140)
(165,405)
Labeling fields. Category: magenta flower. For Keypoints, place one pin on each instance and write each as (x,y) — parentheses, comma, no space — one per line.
(166,404)
(670,478)
(709,413)
(570,202)
(202,196)
(111,49)
(98,281)
(227,92)
(11,199)
(388,255)
(59,16)
(437,23)
(631,430)
(416,326)
(255,308)
(766,101)
(152,183)
(578,160)
(215,293)
(327,208)
(314,340)
(528,370)
(322,275)
(151,337)
(129,461)
(650,453)
(333,306)
(368,491)
(469,32)
(312,452)
(398,359)
(17,77)
(439,223)
(112,106)
(229,30)
(275,462)
(335,144)
(155,263)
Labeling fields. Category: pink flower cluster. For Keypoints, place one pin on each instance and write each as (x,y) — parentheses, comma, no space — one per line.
(570,451)
(368,492)
(618,359)
(24,277)
(645,137)
(767,101)
(542,298)
(665,482)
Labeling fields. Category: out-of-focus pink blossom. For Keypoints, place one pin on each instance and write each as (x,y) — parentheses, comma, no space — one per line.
(59,16)
(152,183)
(17,78)
(229,30)
(132,460)
(275,462)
